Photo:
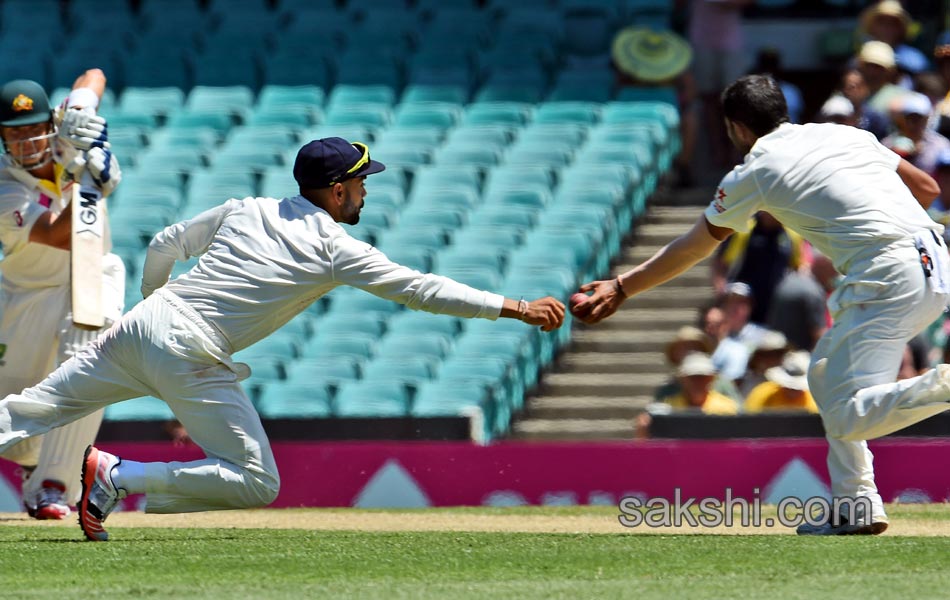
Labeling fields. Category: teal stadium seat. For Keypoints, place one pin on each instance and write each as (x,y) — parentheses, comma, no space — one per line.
(567,112)
(294,400)
(232,99)
(371,399)
(498,113)
(449,399)
(401,370)
(343,96)
(358,346)
(435,93)
(146,408)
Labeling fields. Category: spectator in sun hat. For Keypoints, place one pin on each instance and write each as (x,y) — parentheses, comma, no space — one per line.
(696,375)
(646,58)
(786,387)
(887,21)
(942,67)
(877,64)
(768,353)
(914,111)
(691,339)
(838,109)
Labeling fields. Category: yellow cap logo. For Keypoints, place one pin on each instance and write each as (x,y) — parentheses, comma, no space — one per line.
(22,102)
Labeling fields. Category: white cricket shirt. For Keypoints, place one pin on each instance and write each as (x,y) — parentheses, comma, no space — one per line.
(264,260)
(23,198)
(835,185)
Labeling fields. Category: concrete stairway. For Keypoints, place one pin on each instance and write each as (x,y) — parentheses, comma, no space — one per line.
(611,369)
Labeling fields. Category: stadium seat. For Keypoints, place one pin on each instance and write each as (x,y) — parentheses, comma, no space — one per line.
(294,400)
(437,115)
(146,408)
(498,113)
(435,93)
(231,99)
(567,112)
(357,346)
(157,101)
(448,399)
(371,399)
(400,370)
(347,95)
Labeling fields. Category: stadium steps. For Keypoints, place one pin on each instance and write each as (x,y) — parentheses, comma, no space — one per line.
(610,371)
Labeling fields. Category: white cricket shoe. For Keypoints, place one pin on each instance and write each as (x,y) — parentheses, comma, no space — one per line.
(51,502)
(99,494)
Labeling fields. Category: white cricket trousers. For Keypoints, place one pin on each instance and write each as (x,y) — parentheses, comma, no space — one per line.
(164,349)
(878,308)
(37,333)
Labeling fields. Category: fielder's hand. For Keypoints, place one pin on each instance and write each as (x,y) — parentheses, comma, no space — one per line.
(83,130)
(605,301)
(547,312)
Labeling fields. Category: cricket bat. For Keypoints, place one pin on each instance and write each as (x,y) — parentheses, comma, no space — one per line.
(87,248)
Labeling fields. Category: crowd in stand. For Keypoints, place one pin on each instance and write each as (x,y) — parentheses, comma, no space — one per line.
(749,351)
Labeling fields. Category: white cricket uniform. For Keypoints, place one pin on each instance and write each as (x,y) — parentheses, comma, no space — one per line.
(838,187)
(36,330)
(262,262)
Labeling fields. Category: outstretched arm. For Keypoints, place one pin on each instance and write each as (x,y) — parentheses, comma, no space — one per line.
(673,259)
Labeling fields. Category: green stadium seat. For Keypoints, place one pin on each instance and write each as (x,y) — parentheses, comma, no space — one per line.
(333,323)
(373,116)
(402,155)
(355,345)
(414,235)
(414,321)
(463,198)
(416,258)
(469,154)
(453,176)
(410,137)
(495,136)
(648,94)
(273,95)
(330,370)
(438,115)
(278,182)
(400,370)
(508,92)
(446,217)
(232,99)
(553,156)
(186,119)
(429,344)
(204,139)
(487,237)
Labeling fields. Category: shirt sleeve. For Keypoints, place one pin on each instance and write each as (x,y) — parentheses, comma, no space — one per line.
(360,265)
(736,200)
(18,214)
(179,242)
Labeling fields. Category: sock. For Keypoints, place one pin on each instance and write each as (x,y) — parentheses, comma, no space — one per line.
(130,476)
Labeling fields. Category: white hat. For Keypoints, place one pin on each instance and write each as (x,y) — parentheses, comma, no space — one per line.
(915,103)
(696,363)
(837,106)
(739,288)
(771,340)
(877,53)
(792,373)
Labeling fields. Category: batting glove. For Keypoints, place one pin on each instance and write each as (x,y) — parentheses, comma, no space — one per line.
(83,130)
(103,167)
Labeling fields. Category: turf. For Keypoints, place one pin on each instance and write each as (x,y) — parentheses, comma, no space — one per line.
(43,562)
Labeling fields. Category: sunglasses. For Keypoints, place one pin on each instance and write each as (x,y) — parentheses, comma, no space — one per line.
(362,162)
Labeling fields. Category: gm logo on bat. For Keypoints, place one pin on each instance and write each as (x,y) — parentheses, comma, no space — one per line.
(88,213)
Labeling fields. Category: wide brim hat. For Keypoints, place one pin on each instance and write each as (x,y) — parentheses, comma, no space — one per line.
(889,8)
(792,373)
(690,336)
(650,56)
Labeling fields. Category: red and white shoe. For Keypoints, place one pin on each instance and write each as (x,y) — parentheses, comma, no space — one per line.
(51,503)
(99,494)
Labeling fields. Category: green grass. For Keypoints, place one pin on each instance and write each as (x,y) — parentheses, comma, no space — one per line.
(53,562)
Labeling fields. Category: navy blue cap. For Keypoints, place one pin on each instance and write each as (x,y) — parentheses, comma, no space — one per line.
(322,163)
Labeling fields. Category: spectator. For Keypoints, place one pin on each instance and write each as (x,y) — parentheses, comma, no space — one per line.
(768,353)
(660,59)
(838,109)
(760,258)
(715,33)
(737,304)
(855,88)
(696,375)
(931,85)
(942,65)
(940,206)
(687,341)
(878,66)
(798,309)
(913,140)
(888,22)
(910,364)
(769,62)
(731,355)
(786,388)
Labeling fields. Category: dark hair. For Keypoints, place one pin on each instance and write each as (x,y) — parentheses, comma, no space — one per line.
(757,102)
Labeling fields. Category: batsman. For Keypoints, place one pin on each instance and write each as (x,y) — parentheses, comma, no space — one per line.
(47,152)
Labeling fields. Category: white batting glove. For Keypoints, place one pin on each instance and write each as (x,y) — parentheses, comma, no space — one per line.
(103,167)
(83,130)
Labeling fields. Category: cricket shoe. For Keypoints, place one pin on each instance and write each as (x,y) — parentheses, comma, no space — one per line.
(51,503)
(99,493)
(844,528)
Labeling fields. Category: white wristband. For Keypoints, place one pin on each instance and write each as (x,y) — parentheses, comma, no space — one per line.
(83,98)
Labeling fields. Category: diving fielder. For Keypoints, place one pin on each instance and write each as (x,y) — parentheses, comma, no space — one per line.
(43,160)
(863,207)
